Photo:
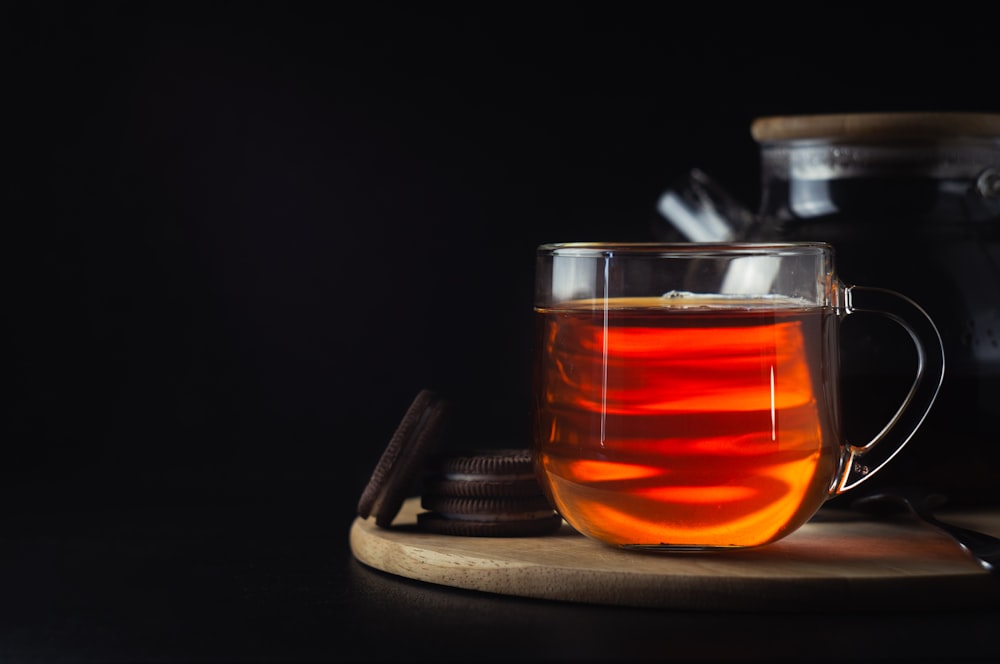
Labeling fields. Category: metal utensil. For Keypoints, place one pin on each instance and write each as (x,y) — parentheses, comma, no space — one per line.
(985,549)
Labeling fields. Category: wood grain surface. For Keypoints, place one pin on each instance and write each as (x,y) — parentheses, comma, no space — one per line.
(839,561)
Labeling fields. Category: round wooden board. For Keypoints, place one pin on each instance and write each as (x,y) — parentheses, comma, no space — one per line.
(839,561)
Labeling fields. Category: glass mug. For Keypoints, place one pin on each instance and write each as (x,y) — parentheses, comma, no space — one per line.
(687,396)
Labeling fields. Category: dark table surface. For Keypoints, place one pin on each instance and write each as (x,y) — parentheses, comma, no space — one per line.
(246,566)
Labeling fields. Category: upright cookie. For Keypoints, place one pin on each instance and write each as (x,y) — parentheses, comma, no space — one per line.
(403,459)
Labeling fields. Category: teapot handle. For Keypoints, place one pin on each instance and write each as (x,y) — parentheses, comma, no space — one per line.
(861,462)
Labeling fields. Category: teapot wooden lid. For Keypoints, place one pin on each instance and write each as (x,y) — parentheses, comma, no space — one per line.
(884,127)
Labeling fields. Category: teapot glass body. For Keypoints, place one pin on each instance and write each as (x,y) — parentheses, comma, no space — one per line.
(928,187)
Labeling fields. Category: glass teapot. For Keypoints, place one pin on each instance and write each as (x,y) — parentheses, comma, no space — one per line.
(910,201)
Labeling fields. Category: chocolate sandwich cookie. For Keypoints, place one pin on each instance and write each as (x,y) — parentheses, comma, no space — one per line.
(402,462)
(503,472)
(450,524)
(486,493)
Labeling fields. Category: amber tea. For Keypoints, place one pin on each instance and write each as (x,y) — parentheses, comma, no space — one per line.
(674,420)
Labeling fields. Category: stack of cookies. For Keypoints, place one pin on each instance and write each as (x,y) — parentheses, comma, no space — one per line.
(482,493)
(486,493)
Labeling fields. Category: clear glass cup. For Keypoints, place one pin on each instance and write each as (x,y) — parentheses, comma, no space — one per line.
(687,396)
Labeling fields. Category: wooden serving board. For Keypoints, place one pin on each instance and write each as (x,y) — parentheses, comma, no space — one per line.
(839,561)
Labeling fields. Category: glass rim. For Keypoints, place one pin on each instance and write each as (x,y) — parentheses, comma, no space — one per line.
(666,249)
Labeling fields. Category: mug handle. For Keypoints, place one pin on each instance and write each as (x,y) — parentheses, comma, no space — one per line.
(863,461)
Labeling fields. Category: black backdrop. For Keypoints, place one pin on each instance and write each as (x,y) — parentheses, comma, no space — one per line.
(240,237)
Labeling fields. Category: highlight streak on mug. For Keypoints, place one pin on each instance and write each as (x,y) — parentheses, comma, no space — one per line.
(679,406)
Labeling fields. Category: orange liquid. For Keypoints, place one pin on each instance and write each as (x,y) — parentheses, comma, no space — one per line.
(687,426)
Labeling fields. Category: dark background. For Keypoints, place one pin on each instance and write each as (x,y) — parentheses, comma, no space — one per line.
(240,237)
